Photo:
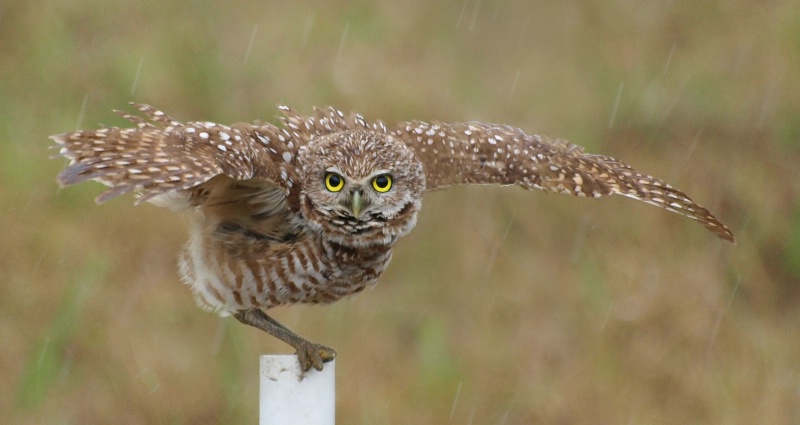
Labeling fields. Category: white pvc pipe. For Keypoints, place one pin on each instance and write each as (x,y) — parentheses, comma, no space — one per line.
(289,398)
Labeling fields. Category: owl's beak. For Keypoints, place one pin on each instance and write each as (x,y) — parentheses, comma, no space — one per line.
(356,203)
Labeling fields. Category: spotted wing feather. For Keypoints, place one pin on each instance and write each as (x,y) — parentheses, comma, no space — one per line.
(479,153)
(163,156)
(326,121)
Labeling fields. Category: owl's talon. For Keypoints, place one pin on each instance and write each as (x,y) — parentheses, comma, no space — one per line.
(308,353)
(313,355)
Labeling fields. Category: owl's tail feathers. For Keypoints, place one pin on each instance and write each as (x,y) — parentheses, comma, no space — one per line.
(653,191)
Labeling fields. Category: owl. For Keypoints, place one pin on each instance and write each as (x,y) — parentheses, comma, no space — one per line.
(309,211)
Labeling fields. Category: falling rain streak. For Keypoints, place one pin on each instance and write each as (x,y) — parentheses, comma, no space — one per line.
(669,60)
(250,45)
(82,112)
(497,246)
(678,166)
(461,15)
(718,319)
(474,15)
(455,401)
(344,39)
(136,76)
(307,31)
(616,105)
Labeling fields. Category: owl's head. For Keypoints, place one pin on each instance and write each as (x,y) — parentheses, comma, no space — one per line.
(360,187)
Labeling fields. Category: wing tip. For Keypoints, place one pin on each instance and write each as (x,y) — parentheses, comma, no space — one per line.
(721,231)
(70,175)
(59,138)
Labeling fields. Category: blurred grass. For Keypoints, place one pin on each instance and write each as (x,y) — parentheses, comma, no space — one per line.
(50,359)
(504,306)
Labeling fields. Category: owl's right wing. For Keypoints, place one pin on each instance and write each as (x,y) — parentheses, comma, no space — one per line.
(169,163)
(480,153)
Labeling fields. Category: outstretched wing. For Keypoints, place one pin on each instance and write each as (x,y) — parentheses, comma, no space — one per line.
(480,153)
(169,162)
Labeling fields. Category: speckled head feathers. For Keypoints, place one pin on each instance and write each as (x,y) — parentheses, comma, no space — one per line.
(358,157)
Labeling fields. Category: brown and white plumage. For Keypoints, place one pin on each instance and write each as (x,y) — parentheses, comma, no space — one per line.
(308,212)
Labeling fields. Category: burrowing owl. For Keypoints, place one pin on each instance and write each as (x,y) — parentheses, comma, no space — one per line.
(309,212)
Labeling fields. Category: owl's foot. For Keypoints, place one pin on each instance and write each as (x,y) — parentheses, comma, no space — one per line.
(313,355)
(308,353)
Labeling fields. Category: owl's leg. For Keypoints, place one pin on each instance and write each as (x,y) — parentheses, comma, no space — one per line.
(309,354)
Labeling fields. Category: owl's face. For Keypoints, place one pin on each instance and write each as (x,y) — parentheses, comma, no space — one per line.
(360,187)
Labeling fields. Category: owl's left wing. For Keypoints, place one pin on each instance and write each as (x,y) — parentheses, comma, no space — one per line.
(480,153)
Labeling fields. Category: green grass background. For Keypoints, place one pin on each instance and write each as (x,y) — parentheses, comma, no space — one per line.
(503,306)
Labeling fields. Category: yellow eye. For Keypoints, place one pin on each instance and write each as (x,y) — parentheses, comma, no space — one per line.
(382,183)
(334,182)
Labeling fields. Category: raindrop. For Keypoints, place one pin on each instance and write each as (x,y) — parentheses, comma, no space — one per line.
(475,15)
(455,401)
(616,105)
(669,59)
(82,112)
(472,416)
(718,319)
(43,352)
(344,39)
(250,45)
(678,167)
(155,388)
(307,31)
(461,16)
(497,247)
(136,77)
